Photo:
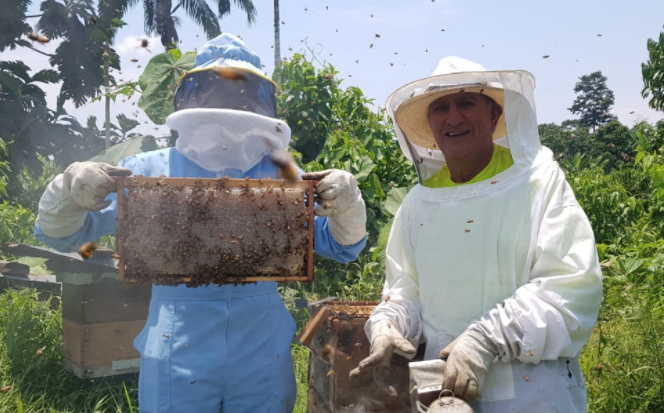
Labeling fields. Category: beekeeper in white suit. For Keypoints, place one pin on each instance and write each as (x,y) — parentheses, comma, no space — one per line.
(490,261)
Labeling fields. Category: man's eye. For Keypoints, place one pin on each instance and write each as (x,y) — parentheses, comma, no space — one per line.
(440,108)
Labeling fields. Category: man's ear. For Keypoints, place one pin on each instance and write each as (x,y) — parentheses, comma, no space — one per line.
(496,112)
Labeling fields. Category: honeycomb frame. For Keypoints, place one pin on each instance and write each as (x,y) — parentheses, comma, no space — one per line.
(193,200)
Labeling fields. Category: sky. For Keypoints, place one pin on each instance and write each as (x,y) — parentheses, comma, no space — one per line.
(579,37)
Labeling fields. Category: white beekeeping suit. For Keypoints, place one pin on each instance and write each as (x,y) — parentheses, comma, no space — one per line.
(514,255)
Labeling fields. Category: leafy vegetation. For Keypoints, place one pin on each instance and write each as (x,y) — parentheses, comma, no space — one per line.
(653,73)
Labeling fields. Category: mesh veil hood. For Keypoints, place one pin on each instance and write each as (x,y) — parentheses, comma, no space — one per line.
(520,117)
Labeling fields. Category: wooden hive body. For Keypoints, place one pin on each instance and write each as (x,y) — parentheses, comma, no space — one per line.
(100,319)
(335,334)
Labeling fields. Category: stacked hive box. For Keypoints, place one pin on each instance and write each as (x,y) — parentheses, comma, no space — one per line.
(335,334)
(100,319)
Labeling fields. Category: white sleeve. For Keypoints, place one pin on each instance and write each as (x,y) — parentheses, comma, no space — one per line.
(553,314)
(401,282)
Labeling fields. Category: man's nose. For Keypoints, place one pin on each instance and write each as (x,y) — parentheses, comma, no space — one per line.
(454,117)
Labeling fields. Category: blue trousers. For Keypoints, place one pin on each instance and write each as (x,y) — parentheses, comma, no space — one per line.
(216,349)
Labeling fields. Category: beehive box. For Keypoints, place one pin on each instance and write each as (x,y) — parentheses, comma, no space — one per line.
(335,335)
(100,319)
(225,231)
(100,316)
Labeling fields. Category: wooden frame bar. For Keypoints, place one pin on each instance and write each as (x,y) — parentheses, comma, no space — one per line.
(220,183)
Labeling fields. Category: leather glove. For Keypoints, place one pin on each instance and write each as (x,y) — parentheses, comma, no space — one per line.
(468,360)
(82,187)
(385,340)
(341,201)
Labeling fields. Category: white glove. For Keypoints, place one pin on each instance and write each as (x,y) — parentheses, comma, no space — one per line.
(341,201)
(80,188)
(468,360)
(385,340)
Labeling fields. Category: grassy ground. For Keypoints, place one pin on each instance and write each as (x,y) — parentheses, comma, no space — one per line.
(31,374)
(623,363)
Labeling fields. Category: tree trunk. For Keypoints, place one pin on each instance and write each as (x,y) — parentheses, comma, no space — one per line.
(277,42)
(166,24)
(107,111)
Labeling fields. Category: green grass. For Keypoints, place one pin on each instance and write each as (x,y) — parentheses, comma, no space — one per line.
(38,383)
(624,361)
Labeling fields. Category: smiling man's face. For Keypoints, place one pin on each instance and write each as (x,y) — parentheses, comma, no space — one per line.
(463,124)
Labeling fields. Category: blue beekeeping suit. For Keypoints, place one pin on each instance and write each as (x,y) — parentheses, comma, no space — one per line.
(210,348)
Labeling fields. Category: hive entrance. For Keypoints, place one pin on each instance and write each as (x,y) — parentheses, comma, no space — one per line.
(223,231)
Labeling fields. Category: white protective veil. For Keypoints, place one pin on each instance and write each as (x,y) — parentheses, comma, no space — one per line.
(217,139)
(514,254)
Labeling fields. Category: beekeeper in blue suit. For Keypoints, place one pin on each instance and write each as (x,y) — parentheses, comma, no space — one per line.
(211,348)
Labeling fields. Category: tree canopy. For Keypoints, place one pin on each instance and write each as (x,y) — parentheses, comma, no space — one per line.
(593,101)
(653,73)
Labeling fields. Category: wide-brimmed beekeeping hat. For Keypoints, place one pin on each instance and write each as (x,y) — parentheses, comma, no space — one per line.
(227,75)
(412,114)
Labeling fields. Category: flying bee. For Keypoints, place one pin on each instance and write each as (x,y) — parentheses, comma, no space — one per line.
(327,352)
(40,351)
(87,249)
(93,19)
(36,37)
(134,60)
(284,162)
(5,389)
(115,256)
(144,44)
(229,73)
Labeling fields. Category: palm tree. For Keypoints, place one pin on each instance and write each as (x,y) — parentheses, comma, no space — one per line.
(159,16)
